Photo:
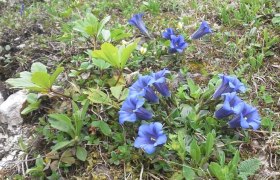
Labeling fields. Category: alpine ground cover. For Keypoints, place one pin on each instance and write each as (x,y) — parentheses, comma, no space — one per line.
(147,89)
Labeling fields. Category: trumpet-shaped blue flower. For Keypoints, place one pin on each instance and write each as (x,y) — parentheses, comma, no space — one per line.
(177,44)
(232,105)
(202,30)
(132,110)
(249,116)
(137,21)
(149,137)
(159,82)
(142,87)
(167,33)
(229,84)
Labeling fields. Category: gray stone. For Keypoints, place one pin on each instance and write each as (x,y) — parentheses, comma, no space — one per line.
(1,98)
(11,108)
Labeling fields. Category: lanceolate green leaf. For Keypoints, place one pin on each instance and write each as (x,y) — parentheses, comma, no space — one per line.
(62,123)
(55,74)
(102,24)
(195,152)
(103,126)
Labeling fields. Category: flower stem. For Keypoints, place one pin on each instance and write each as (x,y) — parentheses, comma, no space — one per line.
(119,77)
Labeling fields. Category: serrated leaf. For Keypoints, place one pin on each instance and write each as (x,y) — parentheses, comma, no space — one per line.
(103,126)
(81,153)
(249,166)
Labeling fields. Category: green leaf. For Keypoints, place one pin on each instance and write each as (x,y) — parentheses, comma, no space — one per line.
(249,167)
(41,79)
(209,144)
(195,151)
(81,153)
(31,107)
(102,24)
(103,126)
(233,163)
(98,97)
(216,170)
(125,52)
(67,157)
(106,34)
(55,74)
(100,64)
(62,123)
(195,90)
(188,173)
(116,91)
(38,67)
(61,145)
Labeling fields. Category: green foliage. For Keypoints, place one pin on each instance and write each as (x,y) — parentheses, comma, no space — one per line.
(90,25)
(248,167)
(71,126)
(115,56)
(33,103)
(37,80)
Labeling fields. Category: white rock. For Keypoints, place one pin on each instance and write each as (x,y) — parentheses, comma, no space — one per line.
(10,109)
(1,98)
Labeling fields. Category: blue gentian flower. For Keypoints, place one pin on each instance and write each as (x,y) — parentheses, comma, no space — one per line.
(229,84)
(21,9)
(142,87)
(177,44)
(159,82)
(149,137)
(203,30)
(137,21)
(249,116)
(232,105)
(167,33)
(132,110)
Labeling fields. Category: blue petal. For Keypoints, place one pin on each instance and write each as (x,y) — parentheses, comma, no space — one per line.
(137,21)
(126,116)
(150,95)
(162,88)
(222,113)
(149,148)
(161,140)
(235,122)
(140,141)
(143,114)
(203,30)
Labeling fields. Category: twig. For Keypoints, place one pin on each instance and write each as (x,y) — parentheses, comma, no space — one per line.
(141,172)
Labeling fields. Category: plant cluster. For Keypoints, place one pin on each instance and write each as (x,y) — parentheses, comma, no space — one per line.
(119,99)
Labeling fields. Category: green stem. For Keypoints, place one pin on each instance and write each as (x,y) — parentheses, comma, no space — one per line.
(119,77)
(60,94)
